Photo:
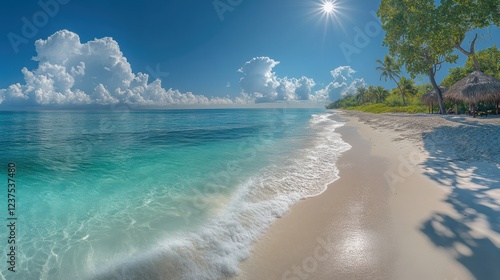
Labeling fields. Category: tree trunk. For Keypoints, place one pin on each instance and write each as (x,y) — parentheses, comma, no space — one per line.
(432,77)
(471,53)
(401,90)
(476,63)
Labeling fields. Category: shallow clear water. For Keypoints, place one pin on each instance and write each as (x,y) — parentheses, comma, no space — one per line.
(157,195)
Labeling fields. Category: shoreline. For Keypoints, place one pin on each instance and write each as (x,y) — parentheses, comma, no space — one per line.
(373,222)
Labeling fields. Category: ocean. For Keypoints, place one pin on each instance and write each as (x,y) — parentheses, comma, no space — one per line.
(178,194)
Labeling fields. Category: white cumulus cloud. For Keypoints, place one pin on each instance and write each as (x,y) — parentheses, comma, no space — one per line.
(96,72)
(343,83)
(263,85)
(72,73)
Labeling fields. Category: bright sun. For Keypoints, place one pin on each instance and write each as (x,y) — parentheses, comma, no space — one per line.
(331,12)
(328,7)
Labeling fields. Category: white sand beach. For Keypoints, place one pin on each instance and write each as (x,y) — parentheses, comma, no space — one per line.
(418,198)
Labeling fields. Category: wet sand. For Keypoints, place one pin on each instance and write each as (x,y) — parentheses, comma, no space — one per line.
(385,218)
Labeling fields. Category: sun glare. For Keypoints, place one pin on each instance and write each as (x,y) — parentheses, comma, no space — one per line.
(328,7)
(329,10)
(328,13)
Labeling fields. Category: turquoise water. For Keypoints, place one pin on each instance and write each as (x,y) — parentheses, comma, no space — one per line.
(156,195)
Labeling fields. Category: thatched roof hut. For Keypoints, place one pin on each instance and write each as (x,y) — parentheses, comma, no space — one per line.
(475,88)
(431,98)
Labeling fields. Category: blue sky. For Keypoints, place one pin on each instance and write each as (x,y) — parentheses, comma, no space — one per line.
(199,49)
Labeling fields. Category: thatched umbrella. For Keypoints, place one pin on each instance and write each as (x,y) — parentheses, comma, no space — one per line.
(431,98)
(475,88)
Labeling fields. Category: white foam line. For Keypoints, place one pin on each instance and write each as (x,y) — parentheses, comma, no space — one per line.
(218,248)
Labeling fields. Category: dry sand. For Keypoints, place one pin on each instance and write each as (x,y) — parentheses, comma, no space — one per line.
(418,198)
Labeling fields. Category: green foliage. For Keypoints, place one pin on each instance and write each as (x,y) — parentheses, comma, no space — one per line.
(394,100)
(408,88)
(416,34)
(376,99)
(489,59)
(391,69)
(423,34)
(346,101)
(362,96)
(383,108)
(461,16)
(377,94)
(455,75)
(422,89)
(372,94)
(416,99)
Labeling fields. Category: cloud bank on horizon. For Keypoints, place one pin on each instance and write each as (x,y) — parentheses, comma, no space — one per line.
(262,84)
(71,73)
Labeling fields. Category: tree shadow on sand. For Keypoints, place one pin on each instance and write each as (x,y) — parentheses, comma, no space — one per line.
(466,159)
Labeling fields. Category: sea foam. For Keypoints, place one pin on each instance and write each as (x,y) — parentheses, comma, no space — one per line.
(216,249)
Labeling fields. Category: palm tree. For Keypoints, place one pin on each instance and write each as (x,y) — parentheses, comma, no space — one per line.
(381,94)
(390,70)
(408,87)
(361,95)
